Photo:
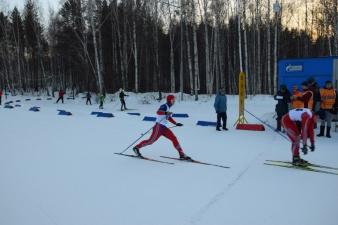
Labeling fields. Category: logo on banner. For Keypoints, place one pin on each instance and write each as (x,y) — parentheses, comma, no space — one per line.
(294,68)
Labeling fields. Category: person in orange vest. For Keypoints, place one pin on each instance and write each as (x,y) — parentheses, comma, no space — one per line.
(328,97)
(296,104)
(307,97)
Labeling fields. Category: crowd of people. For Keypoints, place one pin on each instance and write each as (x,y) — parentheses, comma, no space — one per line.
(298,112)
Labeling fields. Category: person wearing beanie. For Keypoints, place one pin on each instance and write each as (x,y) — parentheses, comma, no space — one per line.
(306,118)
(161,129)
(328,98)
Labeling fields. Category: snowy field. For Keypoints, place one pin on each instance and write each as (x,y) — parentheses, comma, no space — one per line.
(61,170)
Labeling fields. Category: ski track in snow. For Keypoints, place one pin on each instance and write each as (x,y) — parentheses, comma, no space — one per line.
(221,195)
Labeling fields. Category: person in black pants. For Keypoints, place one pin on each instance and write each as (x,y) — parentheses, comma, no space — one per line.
(61,94)
(283,98)
(123,102)
(220,106)
(88,98)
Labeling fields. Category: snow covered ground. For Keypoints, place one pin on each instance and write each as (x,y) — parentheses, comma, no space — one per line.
(61,170)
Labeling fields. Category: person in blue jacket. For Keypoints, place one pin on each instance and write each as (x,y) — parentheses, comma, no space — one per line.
(221,109)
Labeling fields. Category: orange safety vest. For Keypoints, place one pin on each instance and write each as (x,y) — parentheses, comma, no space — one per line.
(297,104)
(328,98)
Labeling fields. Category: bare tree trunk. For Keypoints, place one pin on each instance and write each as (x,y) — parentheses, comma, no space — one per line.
(335,8)
(207,51)
(135,49)
(182,52)
(189,61)
(268,49)
(259,66)
(239,36)
(245,49)
(196,83)
(92,24)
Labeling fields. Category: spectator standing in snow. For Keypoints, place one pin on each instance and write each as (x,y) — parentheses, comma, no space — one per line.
(161,129)
(0,96)
(283,98)
(289,121)
(123,103)
(61,94)
(101,99)
(328,107)
(220,106)
(88,96)
(314,88)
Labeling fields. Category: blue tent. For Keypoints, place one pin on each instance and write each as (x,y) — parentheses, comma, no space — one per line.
(295,71)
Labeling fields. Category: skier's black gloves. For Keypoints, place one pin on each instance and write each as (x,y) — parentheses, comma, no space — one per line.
(304,149)
(312,147)
(179,124)
(168,113)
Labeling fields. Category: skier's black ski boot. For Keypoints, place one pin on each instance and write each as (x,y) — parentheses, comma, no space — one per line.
(137,152)
(297,161)
(185,157)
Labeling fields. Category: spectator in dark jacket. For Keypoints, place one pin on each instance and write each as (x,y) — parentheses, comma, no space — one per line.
(221,109)
(0,96)
(88,96)
(283,98)
(314,87)
(123,102)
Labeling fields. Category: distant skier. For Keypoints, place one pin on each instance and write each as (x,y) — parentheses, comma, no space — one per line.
(88,96)
(101,99)
(307,119)
(220,106)
(283,98)
(0,96)
(123,103)
(161,129)
(61,94)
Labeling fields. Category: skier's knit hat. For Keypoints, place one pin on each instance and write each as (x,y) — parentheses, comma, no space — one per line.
(170,97)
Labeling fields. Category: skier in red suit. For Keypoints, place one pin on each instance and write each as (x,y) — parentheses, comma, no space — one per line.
(307,119)
(161,129)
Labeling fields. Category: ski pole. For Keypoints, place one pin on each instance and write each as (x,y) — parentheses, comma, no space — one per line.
(268,125)
(141,136)
(137,140)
